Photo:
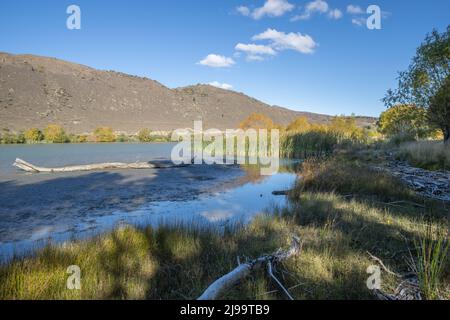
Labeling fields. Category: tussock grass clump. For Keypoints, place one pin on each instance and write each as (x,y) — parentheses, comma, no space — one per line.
(372,211)
(431,250)
(432,155)
(351,179)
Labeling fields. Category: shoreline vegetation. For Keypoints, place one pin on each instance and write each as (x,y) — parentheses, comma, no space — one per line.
(344,211)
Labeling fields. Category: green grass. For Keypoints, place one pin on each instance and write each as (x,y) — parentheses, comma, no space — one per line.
(340,210)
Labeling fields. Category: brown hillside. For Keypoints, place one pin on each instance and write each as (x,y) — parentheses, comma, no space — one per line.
(36,91)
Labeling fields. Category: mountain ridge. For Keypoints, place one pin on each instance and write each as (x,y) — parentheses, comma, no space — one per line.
(36,91)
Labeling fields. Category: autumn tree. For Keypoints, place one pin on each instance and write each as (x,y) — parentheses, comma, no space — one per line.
(33,135)
(301,124)
(423,84)
(104,134)
(257,121)
(55,134)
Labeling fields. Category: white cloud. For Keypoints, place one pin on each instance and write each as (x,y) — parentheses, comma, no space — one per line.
(335,14)
(224,86)
(245,11)
(287,41)
(359,21)
(255,49)
(354,9)
(217,61)
(254,58)
(272,8)
(316,6)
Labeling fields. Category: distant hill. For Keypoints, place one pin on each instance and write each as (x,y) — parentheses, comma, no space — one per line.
(36,91)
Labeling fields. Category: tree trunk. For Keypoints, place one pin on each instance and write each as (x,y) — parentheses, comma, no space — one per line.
(19,163)
(446,132)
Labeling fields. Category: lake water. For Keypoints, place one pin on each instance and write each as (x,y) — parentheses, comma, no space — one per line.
(38,208)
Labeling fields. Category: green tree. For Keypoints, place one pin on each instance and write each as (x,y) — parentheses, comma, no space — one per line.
(55,134)
(425,77)
(404,120)
(439,110)
(104,134)
(144,135)
(33,135)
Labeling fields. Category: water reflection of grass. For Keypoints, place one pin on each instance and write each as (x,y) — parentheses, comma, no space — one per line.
(340,210)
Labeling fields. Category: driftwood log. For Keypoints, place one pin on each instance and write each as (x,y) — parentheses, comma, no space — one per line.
(19,163)
(215,290)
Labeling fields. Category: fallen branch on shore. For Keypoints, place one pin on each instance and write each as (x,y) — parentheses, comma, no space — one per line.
(19,163)
(215,290)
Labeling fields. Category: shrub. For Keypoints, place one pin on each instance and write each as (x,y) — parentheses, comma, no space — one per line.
(123,138)
(33,135)
(144,135)
(55,134)
(104,134)
(11,138)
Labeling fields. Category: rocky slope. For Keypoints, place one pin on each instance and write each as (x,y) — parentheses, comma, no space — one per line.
(36,91)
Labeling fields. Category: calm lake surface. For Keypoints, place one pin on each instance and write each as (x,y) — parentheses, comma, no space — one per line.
(38,208)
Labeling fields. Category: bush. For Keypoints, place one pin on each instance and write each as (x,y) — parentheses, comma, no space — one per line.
(33,135)
(123,138)
(144,135)
(104,134)
(11,138)
(55,134)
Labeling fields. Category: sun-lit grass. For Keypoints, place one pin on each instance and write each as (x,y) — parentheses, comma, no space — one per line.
(434,155)
(340,211)
(430,259)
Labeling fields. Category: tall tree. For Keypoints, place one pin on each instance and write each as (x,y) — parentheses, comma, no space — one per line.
(425,76)
(439,110)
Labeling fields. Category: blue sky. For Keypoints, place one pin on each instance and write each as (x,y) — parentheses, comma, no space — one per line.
(314,58)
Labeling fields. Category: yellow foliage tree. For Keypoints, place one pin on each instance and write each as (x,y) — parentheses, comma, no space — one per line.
(301,124)
(104,134)
(55,134)
(257,121)
(33,135)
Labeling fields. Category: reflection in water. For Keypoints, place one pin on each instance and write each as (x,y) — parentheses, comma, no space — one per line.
(237,199)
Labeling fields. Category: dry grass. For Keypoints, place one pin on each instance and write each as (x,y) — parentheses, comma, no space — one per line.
(433,155)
